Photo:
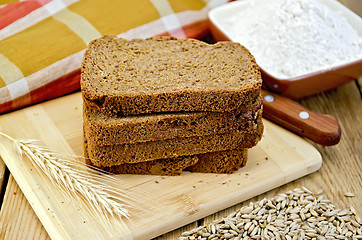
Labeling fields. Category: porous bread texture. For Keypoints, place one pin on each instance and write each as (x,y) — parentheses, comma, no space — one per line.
(109,130)
(166,74)
(215,162)
(106,156)
(169,167)
(220,162)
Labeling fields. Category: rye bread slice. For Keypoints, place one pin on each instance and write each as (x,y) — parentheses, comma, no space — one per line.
(109,130)
(220,162)
(105,156)
(169,167)
(215,162)
(166,74)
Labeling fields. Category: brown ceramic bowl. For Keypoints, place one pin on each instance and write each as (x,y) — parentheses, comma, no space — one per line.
(304,85)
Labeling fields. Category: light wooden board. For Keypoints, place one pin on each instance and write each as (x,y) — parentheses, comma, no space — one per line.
(2,173)
(166,202)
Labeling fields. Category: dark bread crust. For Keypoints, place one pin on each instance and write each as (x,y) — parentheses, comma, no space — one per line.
(215,162)
(165,74)
(220,162)
(169,167)
(106,156)
(109,130)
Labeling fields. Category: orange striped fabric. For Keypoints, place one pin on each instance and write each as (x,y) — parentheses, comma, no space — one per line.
(42,41)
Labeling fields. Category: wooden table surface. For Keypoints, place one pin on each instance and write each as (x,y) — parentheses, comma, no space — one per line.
(340,171)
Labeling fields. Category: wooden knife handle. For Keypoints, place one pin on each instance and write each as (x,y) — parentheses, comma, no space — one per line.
(320,128)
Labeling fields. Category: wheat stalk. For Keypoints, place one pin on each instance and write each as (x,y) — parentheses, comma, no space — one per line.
(75,180)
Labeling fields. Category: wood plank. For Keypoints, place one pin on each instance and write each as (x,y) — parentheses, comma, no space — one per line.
(331,102)
(17,218)
(2,174)
(16,213)
(53,208)
(341,168)
(279,158)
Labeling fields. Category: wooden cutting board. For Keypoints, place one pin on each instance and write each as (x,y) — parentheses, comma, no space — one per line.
(164,203)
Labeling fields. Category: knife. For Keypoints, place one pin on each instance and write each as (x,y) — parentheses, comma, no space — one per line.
(320,128)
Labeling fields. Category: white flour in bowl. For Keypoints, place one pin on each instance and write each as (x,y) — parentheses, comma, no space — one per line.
(294,37)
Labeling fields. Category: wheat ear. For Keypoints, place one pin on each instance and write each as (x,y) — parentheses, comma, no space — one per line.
(103,200)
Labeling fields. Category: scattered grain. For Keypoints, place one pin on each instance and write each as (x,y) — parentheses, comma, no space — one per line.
(297,214)
(349,194)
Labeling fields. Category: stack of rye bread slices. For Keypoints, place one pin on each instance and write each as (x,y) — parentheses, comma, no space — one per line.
(163,105)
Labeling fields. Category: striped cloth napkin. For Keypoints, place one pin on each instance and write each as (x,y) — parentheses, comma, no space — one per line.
(42,41)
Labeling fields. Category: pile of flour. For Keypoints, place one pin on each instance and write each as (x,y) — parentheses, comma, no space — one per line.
(290,38)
